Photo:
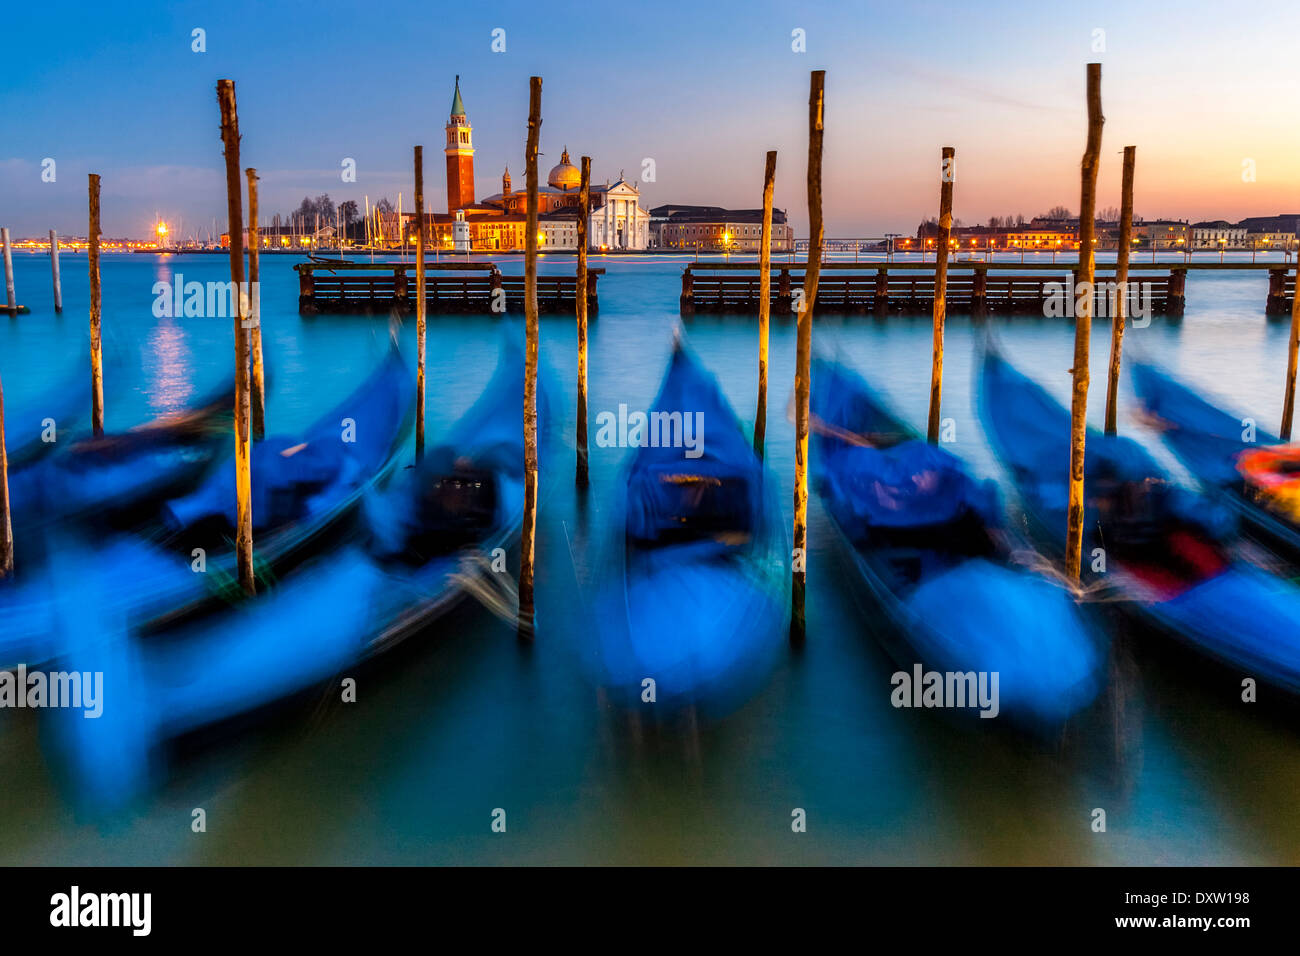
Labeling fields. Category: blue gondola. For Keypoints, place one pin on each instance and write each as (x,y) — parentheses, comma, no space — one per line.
(927,542)
(122,478)
(427,537)
(696,597)
(303,486)
(1167,550)
(1208,441)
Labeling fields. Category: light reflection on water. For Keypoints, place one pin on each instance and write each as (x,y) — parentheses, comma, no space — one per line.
(464,720)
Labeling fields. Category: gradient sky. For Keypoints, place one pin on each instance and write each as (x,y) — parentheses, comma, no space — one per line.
(704,89)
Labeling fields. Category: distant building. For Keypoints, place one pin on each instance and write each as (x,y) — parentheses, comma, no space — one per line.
(715,229)
(1217,234)
(460,156)
(1161,233)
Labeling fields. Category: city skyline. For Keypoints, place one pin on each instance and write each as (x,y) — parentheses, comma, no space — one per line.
(1006,92)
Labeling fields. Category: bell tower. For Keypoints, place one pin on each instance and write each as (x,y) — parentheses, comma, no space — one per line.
(460,156)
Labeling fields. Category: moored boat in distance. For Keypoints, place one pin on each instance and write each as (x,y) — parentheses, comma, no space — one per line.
(927,542)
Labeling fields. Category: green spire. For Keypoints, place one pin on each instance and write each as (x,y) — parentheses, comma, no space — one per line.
(457,105)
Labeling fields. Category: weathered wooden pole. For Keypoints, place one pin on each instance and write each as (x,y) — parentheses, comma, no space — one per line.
(1121,282)
(529,532)
(580,305)
(257,397)
(235,215)
(764,301)
(96,342)
(6,526)
(1293,343)
(1083,325)
(803,354)
(947,174)
(54,270)
(11,297)
(420,320)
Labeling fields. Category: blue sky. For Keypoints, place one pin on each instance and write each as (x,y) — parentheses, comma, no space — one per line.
(703,89)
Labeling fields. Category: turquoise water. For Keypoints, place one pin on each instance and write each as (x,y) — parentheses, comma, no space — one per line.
(463,720)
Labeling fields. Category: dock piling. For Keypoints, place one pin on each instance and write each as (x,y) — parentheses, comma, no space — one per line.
(235,215)
(11,297)
(764,300)
(421,320)
(1293,343)
(257,398)
(6,525)
(947,173)
(580,309)
(96,304)
(54,270)
(1083,324)
(527,542)
(803,355)
(1121,283)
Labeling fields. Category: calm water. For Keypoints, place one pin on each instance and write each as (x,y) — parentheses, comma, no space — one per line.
(464,720)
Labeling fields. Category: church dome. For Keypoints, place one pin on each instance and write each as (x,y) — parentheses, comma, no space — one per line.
(565,175)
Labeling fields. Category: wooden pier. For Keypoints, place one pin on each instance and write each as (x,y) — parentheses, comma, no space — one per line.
(450,287)
(977,288)
(1281,291)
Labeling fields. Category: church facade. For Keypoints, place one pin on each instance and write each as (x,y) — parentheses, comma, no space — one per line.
(499,223)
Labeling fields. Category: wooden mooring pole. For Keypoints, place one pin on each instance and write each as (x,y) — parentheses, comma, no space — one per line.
(420,304)
(1083,325)
(948,173)
(764,301)
(1293,343)
(235,216)
(527,543)
(11,297)
(1120,311)
(580,307)
(96,303)
(54,271)
(6,526)
(257,398)
(803,355)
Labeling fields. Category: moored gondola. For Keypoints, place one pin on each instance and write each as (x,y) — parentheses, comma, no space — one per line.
(927,542)
(427,540)
(695,602)
(1171,553)
(1212,443)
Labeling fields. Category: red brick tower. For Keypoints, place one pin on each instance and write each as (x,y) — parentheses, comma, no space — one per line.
(460,156)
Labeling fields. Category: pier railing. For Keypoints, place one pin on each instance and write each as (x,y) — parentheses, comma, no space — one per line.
(365,287)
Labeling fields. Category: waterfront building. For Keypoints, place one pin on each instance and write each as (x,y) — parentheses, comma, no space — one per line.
(1217,234)
(715,229)
(460,155)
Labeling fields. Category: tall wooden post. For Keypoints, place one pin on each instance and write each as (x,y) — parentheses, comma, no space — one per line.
(11,297)
(764,301)
(257,397)
(803,353)
(529,532)
(96,343)
(1293,343)
(54,271)
(235,216)
(1121,282)
(1083,324)
(420,319)
(580,306)
(948,173)
(6,526)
